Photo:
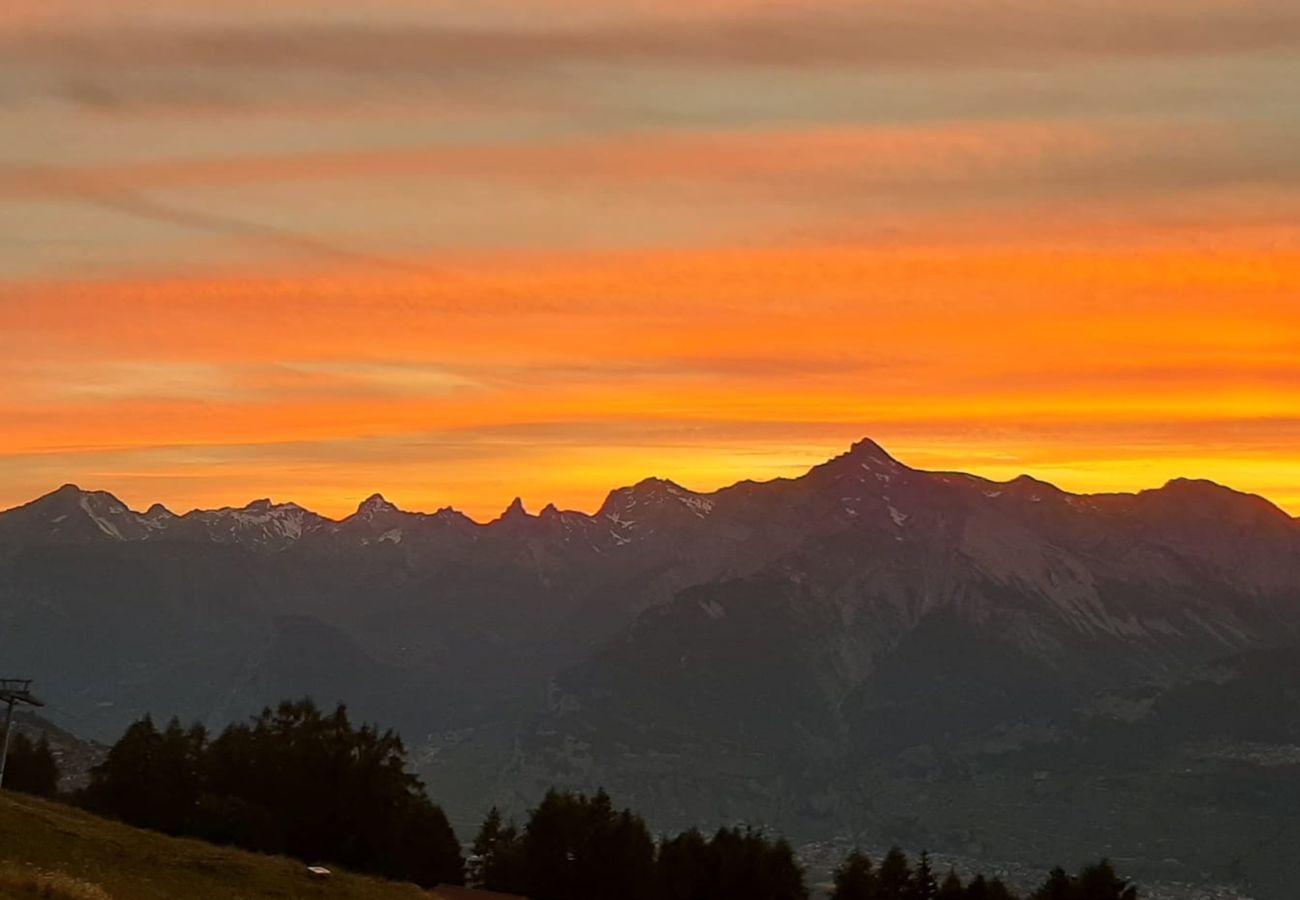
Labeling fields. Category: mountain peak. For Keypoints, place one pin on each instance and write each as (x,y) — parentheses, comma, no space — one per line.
(259,505)
(866,448)
(514,511)
(655,484)
(1211,498)
(68,493)
(860,462)
(72,493)
(375,503)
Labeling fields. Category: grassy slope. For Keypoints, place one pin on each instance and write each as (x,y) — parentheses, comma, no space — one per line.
(132,864)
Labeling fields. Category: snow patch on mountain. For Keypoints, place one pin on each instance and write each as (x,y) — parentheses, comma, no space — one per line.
(103,523)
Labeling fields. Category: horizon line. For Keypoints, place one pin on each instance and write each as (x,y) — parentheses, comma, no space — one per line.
(861,444)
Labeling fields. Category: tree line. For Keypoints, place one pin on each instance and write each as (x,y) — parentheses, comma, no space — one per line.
(294,781)
(896,879)
(309,784)
(575,847)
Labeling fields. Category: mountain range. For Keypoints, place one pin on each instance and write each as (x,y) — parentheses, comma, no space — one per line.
(1005,670)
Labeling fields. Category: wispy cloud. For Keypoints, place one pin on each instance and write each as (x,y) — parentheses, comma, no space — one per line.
(929,33)
(560,245)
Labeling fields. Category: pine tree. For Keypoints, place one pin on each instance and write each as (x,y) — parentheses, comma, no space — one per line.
(1056,887)
(485,842)
(682,867)
(855,879)
(924,885)
(952,888)
(31,768)
(295,780)
(576,847)
(894,876)
(1099,882)
(1095,882)
(502,869)
(123,784)
(978,889)
(999,891)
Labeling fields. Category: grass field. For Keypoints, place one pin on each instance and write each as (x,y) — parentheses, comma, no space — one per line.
(52,851)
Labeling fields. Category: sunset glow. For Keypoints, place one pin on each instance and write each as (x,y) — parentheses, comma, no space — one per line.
(255,252)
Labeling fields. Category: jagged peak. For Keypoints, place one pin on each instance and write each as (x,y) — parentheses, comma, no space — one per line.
(158,511)
(376,503)
(864,461)
(865,453)
(514,512)
(866,447)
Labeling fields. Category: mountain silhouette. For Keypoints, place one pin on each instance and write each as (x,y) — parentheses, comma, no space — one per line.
(865,647)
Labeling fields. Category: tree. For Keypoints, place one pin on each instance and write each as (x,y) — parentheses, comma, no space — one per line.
(576,847)
(952,888)
(924,885)
(295,781)
(683,867)
(177,777)
(31,767)
(611,849)
(1099,882)
(488,834)
(1095,882)
(123,784)
(978,889)
(745,865)
(895,876)
(855,879)
(999,891)
(1056,887)
(501,867)
(485,842)
(783,873)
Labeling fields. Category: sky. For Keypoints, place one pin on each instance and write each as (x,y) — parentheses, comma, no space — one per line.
(456,252)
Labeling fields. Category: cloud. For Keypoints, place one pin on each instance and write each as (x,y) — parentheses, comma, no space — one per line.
(1066,233)
(828,170)
(92,190)
(932,33)
(203,55)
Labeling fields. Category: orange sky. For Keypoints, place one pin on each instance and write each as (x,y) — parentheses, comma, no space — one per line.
(284,253)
